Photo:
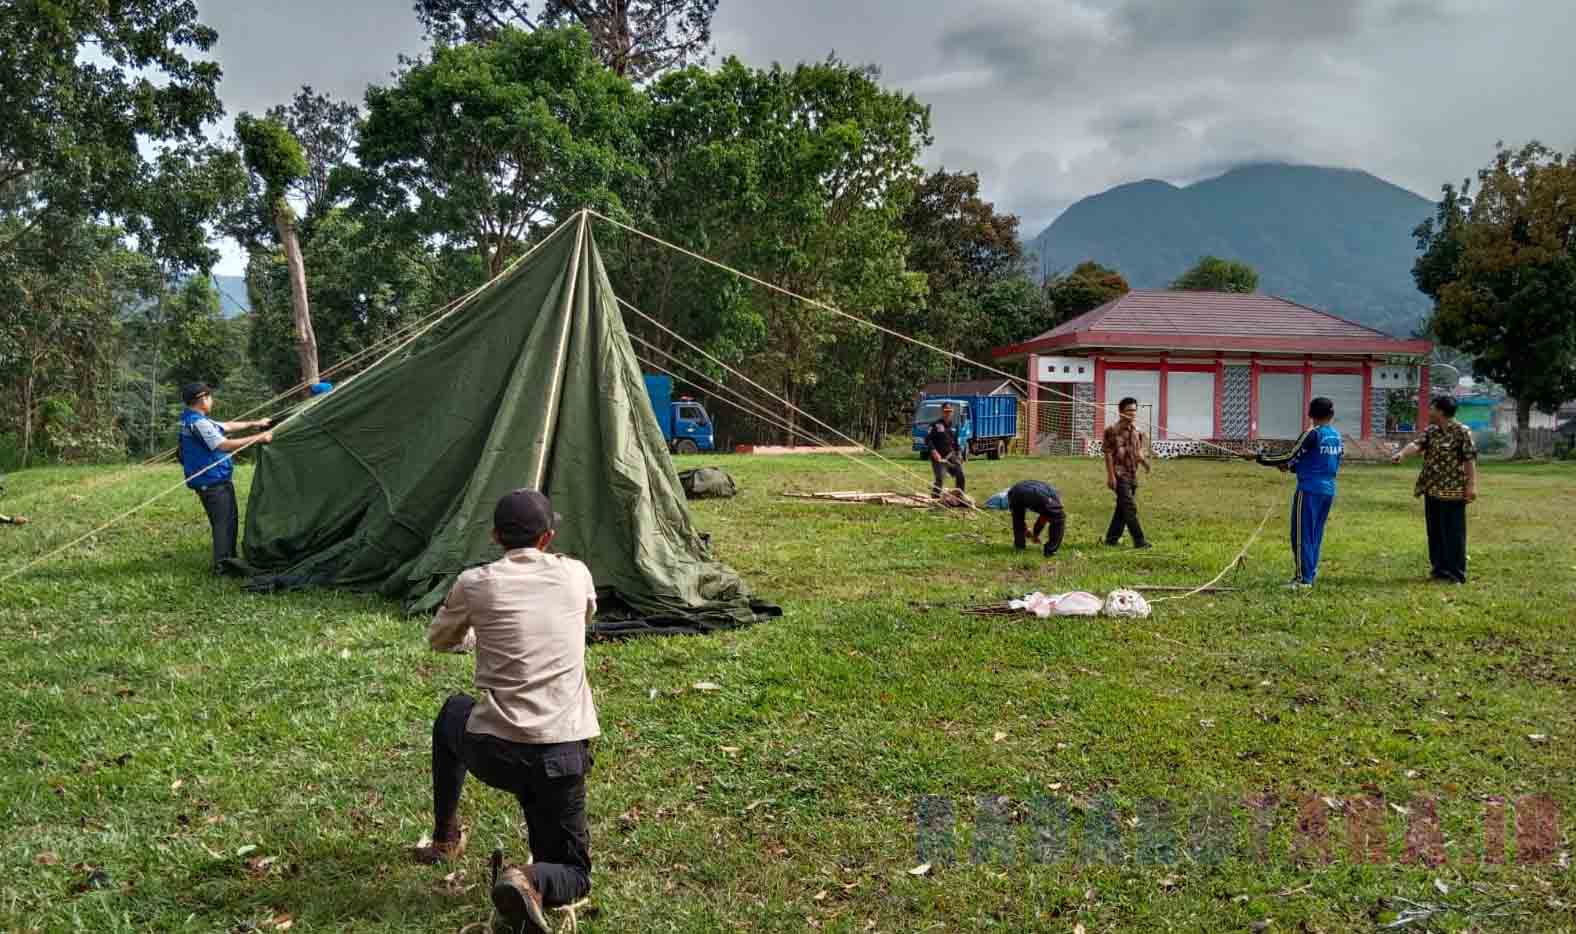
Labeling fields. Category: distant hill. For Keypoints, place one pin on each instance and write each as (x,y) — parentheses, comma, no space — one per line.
(233,301)
(1336,239)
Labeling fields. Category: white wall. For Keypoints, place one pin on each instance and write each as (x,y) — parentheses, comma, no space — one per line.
(1280,405)
(1346,391)
(1143,385)
(1190,405)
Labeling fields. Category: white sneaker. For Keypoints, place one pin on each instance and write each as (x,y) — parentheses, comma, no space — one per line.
(1298,585)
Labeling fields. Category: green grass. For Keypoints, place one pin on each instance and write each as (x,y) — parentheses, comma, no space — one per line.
(161,721)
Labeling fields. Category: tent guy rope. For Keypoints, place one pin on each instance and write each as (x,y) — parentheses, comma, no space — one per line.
(780,422)
(925,483)
(950,355)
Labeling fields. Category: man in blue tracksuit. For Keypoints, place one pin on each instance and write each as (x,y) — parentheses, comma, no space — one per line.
(1317,459)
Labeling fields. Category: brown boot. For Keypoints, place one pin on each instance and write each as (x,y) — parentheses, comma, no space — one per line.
(518,902)
(445,847)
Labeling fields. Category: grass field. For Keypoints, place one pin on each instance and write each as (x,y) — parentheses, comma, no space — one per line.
(232,762)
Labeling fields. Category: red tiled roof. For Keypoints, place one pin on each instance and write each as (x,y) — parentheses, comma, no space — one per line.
(1159,318)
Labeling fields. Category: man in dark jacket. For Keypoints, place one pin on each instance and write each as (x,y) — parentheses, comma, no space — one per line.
(945,455)
(1028,496)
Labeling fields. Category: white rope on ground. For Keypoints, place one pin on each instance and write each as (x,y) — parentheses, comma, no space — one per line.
(1241,553)
(454,308)
(951,355)
(924,483)
(755,409)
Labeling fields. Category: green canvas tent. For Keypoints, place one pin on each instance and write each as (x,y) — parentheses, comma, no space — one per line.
(388,485)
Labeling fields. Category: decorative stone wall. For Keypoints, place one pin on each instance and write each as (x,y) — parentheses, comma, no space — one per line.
(1236,405)
(1084,421)
(1378,405)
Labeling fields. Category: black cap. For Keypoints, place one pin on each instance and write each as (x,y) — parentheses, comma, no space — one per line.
(191,392)
(522,516)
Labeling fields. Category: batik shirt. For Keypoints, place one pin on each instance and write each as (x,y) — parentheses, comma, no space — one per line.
(1125,444)
(1446,451)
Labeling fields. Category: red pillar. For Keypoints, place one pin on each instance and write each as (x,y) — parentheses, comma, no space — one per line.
(1165,374)
(1099,396)
(1368,399)
(1307,385)
(1422,397)
(1034,403)
(1253,400)
(1220,391)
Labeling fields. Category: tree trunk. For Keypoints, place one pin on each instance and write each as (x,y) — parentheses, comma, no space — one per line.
(1523,426)
(306,338)
(27,416)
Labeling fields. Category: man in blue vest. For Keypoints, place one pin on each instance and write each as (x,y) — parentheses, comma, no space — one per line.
(1317,459)
(206,459)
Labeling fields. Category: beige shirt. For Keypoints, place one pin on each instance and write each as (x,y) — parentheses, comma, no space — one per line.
(528,612)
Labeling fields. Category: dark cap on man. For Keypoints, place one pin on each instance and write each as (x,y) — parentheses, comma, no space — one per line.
(191,392)
(524,516)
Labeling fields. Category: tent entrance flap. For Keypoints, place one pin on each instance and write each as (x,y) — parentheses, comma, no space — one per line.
(389,484)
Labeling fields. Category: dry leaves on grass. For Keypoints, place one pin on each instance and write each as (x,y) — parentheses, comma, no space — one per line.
(47,858)
(922,869)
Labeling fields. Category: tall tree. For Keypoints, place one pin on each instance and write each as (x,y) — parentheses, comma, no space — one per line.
(275,158)
(637,39)
(367,282)
(487,144)
(956,237)
(1501,268)
(74,123)
(326,129)
(1086,288)
(1213,274)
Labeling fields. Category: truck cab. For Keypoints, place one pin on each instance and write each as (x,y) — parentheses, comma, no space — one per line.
(692,429)
(686,427)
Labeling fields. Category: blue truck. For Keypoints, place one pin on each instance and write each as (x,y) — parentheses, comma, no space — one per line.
(685,425)
(984,424)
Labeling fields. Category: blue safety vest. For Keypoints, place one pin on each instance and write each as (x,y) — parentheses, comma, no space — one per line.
(196,458)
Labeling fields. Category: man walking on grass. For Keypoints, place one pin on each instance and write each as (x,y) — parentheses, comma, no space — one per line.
(946,457)
(1123,445)
(528,732)
(1316,458)
(206,459)
(1447,482)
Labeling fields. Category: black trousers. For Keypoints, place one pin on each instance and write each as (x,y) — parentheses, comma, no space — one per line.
(218,501)
(548,780)
(1056,528)
(1447,537)
(1126,514)
(947,465)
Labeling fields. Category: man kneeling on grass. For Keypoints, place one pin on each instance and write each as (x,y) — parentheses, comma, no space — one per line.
(529,733)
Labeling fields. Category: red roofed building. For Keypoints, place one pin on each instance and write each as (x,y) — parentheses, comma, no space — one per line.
(1214,365)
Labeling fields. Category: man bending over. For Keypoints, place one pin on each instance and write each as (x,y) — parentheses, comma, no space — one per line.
(529,731)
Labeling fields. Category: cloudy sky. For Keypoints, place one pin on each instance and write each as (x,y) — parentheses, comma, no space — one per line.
(1053,100)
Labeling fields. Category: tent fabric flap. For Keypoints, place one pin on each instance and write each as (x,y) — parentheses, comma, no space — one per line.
(389,484)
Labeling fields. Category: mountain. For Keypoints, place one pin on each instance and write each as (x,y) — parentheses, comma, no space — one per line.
(233,300)
(1336,239)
